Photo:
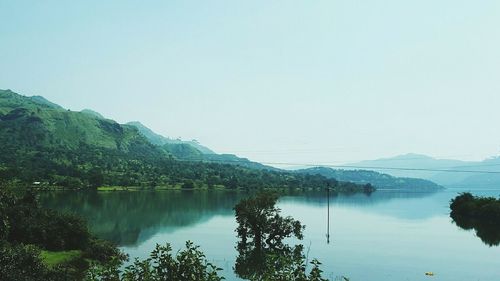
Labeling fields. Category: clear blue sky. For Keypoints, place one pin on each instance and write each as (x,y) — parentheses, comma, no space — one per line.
(293,81)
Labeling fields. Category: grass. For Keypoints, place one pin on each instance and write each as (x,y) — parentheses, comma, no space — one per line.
(166,187)
(137,188)
(55,258)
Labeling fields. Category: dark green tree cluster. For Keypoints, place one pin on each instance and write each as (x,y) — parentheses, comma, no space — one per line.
(479,213)
(24,221)
(26,229)
(263,253)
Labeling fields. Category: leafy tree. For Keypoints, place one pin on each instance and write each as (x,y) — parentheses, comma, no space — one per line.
(21,263)
(4,222)
(263,255)
(189,264)
(30,224)
(259,219)
(479,213)
(188,185)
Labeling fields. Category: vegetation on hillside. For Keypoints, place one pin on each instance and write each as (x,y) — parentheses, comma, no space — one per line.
(160,140)
(479,213)
(193,151)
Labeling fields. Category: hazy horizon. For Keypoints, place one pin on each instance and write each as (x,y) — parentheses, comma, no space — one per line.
(308,82)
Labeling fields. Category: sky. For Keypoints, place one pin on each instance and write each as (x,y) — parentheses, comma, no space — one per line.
(275,81)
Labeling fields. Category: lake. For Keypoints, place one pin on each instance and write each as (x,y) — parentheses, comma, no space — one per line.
(386,235)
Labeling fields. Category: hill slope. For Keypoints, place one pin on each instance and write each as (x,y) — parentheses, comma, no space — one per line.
(160,140)
(193,151)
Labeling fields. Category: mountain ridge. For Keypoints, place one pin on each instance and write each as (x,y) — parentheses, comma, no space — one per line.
(437,169)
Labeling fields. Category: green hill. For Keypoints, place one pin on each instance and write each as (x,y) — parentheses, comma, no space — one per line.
(42,142)
(10,100)
(26,122)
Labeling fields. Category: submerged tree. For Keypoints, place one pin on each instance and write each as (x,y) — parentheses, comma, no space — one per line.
(263,255)
(259,219)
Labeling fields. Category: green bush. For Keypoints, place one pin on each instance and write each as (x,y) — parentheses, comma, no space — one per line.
(189,264)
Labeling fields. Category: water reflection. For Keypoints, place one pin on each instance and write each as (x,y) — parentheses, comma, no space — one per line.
(257,263)
(129,218)
(487,232)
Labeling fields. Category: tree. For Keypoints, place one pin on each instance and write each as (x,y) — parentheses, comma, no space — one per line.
(479,213)
(4,221)
(259,219)
(189,264)
(95,178)
(21,263)
(262,253)
(188,185)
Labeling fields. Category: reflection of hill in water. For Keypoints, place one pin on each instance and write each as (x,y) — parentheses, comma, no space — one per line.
(398,204)
(128,218)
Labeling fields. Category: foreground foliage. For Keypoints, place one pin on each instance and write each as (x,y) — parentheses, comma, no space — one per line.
(26,229)
(479,213)
(189,264)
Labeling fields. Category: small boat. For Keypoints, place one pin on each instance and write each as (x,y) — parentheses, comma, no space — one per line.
(429,273)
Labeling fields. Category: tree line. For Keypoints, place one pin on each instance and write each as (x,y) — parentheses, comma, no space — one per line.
(142,166)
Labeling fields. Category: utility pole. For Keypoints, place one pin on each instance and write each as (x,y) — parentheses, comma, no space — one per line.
(328,215)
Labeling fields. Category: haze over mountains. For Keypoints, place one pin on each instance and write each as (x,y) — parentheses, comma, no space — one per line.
(379,180)
(445,172)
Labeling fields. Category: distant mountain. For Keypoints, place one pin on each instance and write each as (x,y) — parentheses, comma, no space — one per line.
(439,175)
(380,181)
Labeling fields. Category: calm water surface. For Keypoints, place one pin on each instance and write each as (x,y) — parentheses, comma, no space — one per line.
(387,235)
